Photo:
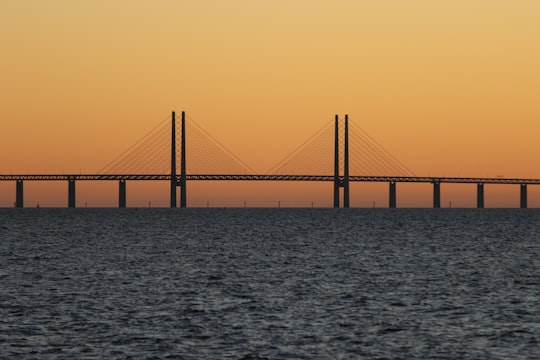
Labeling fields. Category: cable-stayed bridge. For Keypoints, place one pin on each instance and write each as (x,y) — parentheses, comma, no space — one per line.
(181,151)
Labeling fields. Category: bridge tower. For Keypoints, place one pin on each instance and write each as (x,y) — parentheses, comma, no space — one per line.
(175,181)
(183,193)
(341,181)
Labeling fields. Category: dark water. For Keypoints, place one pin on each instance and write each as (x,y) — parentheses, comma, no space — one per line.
(270,283)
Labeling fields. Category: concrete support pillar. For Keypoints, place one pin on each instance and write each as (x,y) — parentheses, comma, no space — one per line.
(122,194)
(71,193)
(19,194)
(480,196)
(392,195)
(523,196)
(336,194)
(436,194)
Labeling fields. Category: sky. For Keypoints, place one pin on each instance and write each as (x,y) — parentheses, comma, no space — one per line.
(450,88)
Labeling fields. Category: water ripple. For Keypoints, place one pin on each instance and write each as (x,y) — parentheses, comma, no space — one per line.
(269,283)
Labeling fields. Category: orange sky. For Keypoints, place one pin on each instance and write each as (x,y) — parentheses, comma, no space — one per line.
(451,88)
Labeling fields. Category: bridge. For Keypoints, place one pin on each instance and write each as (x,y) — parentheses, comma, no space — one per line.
(339,153)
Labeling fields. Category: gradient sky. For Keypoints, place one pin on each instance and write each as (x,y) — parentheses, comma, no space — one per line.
(451,88)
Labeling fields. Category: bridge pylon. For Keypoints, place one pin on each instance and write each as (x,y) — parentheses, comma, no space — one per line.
(178,180)
(183,193)
(341,181)
(173,160)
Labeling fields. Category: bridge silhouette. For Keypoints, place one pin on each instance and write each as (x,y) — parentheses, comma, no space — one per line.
(340,152)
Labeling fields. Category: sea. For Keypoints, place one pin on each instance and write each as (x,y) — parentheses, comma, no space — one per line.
(269,283)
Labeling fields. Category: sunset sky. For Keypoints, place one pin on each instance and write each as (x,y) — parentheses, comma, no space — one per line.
(451,88)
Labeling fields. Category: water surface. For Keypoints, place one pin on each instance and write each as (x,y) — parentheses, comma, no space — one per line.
(270,283)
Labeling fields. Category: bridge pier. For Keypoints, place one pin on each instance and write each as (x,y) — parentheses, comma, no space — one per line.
(480,195)
(122,194)
(392,195)
(19,194)
(71,193)
(336,194)
(436,194)
(523,196)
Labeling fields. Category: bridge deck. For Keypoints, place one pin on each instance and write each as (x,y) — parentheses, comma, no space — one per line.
(254,177)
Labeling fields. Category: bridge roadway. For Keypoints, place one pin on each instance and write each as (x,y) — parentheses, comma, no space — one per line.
(341,182)
(255,177)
